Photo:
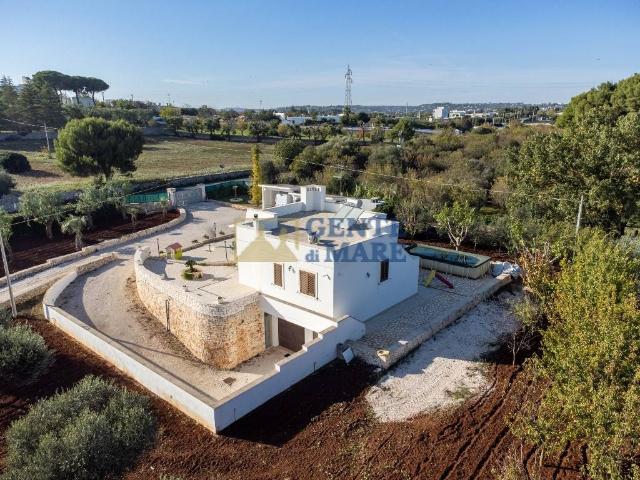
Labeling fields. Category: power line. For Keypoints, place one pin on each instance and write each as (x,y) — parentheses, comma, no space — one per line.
(28,124)
(432,182)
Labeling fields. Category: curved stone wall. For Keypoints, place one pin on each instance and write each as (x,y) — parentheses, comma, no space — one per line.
(222,335)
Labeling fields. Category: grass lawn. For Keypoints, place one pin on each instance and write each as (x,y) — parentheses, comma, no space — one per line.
(162,158)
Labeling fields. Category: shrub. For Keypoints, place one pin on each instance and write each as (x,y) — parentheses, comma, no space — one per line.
(6,182)
(24,355)
(92,431)
(14,162)
(5,318)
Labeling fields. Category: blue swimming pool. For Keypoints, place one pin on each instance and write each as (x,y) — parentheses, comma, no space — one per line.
(451,261)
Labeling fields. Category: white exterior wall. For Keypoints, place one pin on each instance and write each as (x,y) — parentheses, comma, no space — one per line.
(363,296)
(440,113)
(342,285)
(259,275)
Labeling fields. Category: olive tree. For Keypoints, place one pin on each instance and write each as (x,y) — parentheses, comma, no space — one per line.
(89,200)
(590,361)
(42,206)
(6,227)
(456,220)
(75,224)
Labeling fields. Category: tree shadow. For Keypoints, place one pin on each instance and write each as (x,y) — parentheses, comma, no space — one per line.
(35,173)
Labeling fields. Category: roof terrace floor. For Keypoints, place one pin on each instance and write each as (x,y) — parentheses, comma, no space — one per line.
(297,226)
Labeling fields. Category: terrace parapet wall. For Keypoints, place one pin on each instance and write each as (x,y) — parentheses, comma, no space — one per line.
(222,335)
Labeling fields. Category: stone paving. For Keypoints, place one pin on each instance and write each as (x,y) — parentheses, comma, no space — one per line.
(394,333)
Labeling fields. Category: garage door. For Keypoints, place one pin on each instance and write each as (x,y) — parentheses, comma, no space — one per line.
(290,335)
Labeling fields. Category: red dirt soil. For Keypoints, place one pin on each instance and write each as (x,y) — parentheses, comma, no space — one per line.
(31,249)
(321,428)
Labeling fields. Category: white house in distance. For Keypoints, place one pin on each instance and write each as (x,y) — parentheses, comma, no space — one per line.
(302,119)
(316,259)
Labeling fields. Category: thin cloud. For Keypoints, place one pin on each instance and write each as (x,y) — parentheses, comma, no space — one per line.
(179,81)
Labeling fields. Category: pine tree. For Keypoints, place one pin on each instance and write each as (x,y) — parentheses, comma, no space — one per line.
(8,102)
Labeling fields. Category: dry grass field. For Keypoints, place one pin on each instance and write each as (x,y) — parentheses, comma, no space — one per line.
(162,158)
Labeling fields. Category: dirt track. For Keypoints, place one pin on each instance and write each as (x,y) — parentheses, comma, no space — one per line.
(321,428)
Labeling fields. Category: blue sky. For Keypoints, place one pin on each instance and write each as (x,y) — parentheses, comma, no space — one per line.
(235,53)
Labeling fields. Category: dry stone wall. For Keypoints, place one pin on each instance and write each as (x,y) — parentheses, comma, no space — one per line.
(222,335)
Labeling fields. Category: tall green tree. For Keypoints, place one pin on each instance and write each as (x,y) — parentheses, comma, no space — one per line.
(257,128)
(8,102)
(39,103)
(256,176)
(42,206)
(610,100)
(590,361)
(95,85)
(94,146)
(592,158)
(285,151)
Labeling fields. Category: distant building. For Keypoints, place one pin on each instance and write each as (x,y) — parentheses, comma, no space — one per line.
(302,119)
(287,120)
(457,113)
(441,113)
(83,100)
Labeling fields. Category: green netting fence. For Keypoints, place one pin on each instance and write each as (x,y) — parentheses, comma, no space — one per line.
(147,197)
(224,190)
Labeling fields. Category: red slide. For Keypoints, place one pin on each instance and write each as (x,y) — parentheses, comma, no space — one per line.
(444,280)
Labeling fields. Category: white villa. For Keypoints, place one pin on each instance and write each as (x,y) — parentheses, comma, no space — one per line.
(316,259)
(309,271)
(305,279)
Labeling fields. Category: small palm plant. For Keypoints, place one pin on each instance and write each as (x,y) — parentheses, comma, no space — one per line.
(75,224)
(133,212)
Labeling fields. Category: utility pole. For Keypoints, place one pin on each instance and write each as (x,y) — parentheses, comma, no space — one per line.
(579,219)
(46,135)
(14,310)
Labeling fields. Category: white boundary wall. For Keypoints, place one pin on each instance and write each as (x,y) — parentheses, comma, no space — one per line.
(215,415)
(197,405)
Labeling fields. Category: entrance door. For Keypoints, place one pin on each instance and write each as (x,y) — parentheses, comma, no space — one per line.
(290,335)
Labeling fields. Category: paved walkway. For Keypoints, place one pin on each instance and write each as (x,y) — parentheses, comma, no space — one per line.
(199,222)
(395,332)
(106,299)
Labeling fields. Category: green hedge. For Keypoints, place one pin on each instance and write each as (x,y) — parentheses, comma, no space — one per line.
(93,431)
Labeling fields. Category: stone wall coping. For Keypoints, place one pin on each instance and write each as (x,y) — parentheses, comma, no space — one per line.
(187,299)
